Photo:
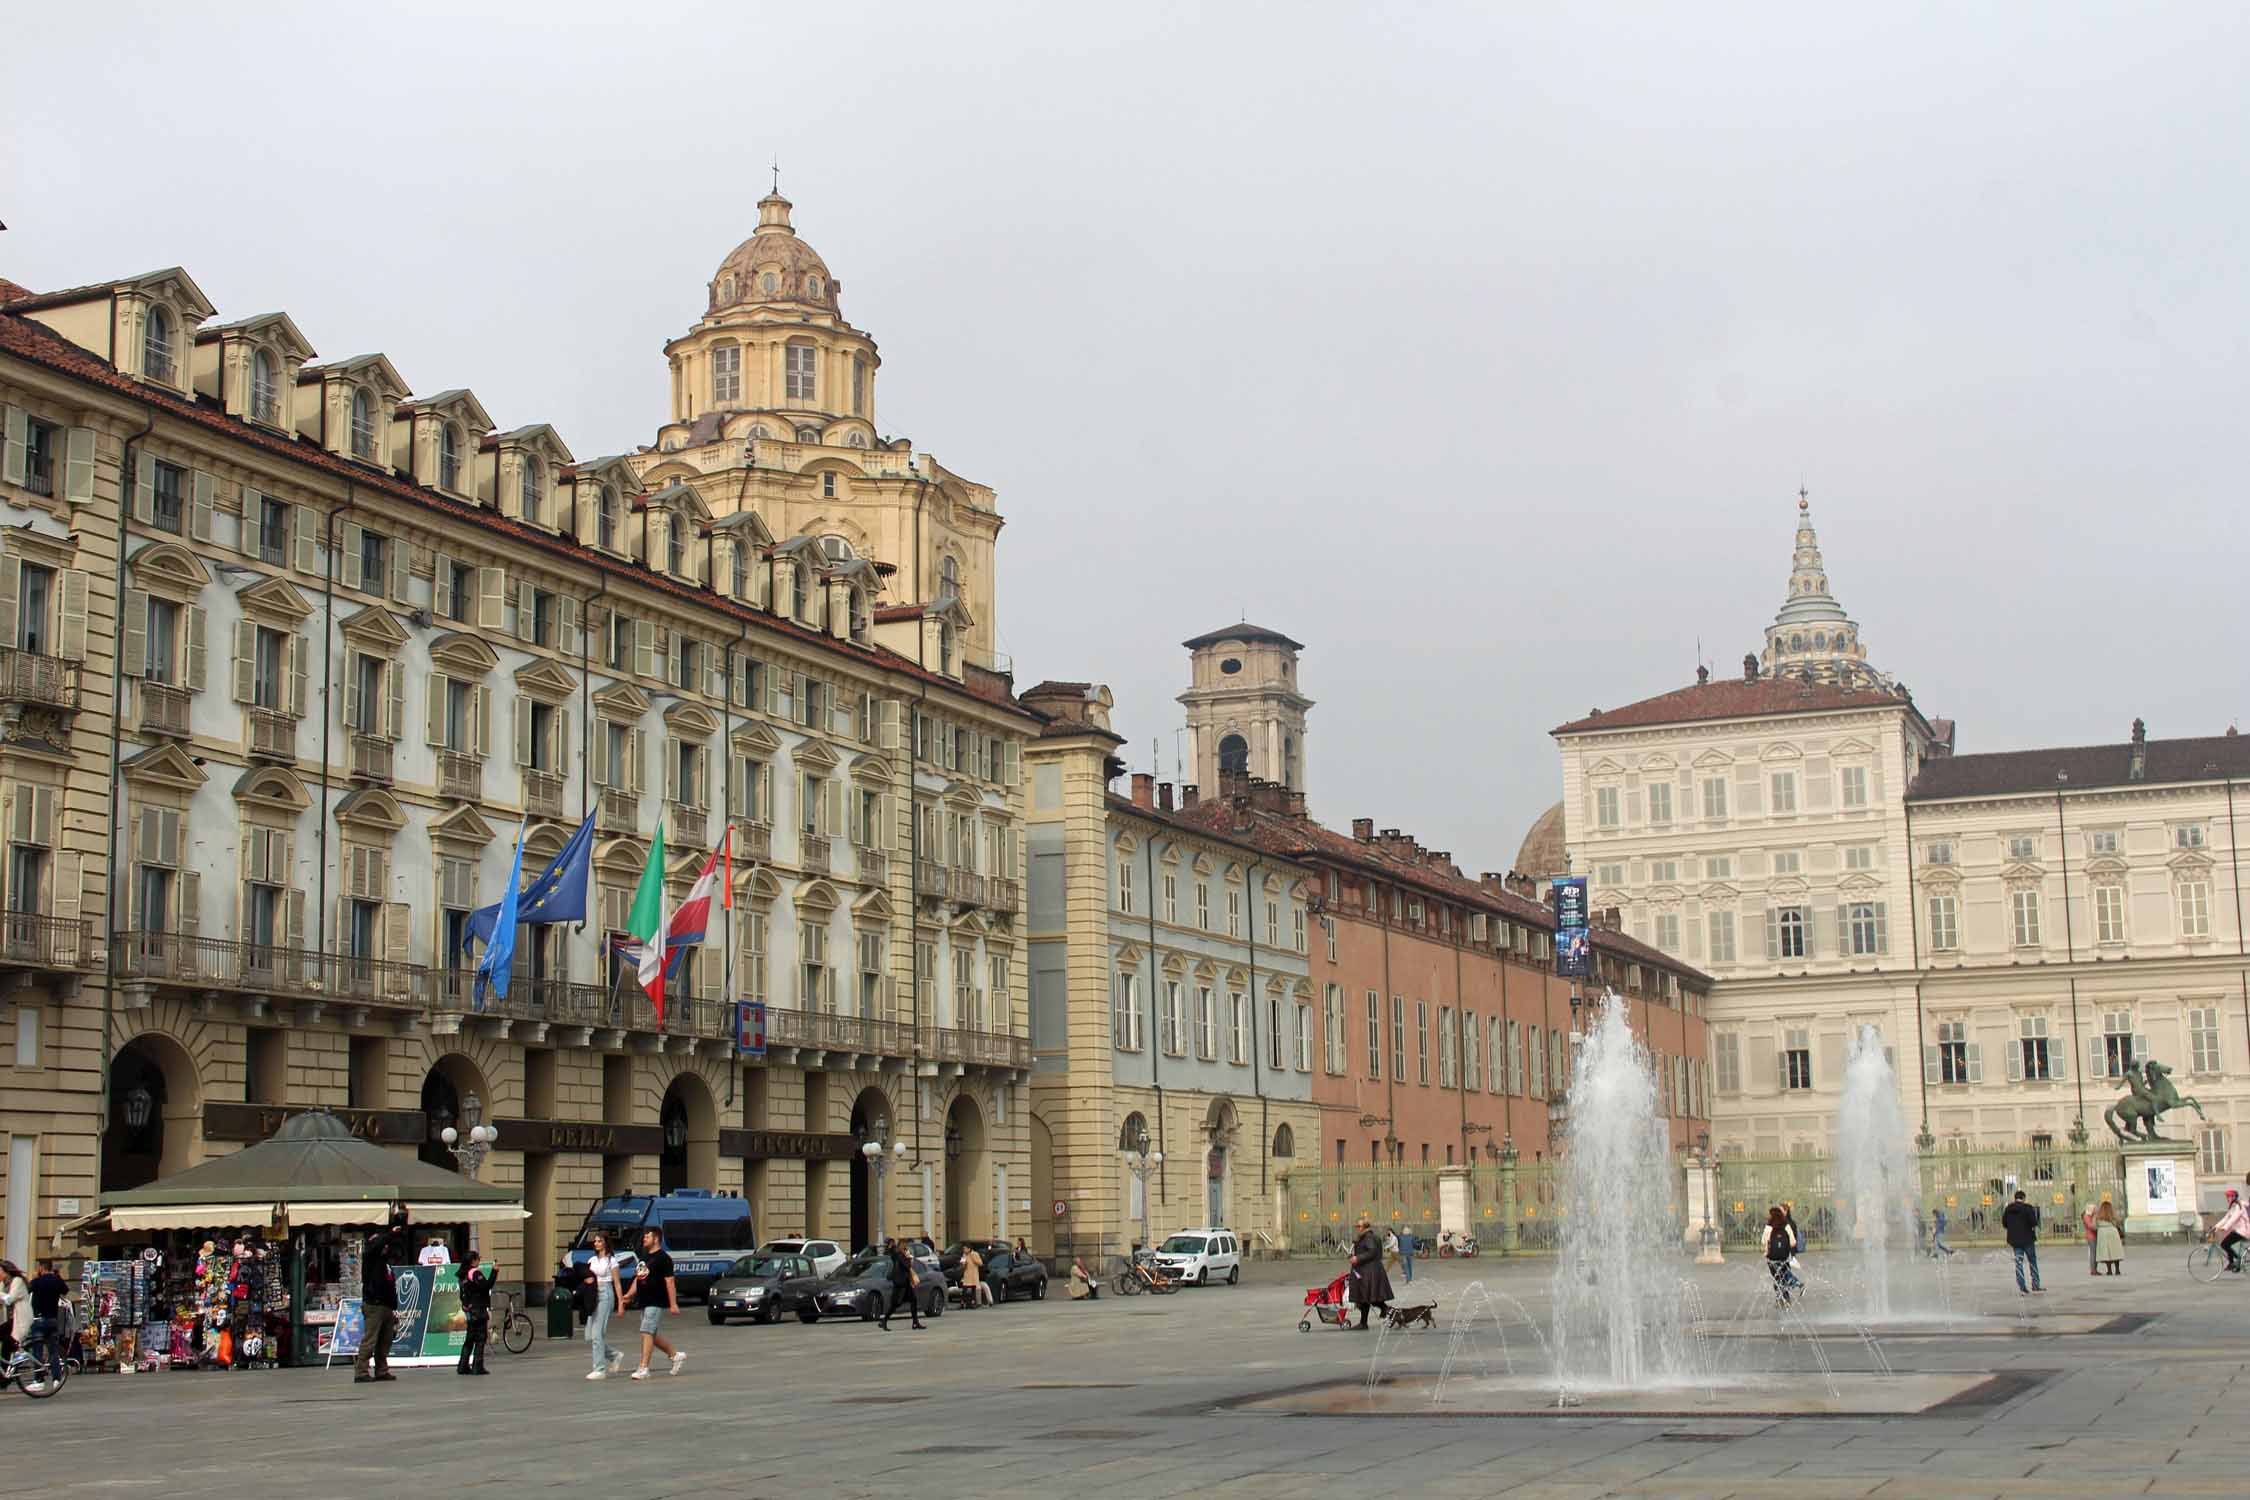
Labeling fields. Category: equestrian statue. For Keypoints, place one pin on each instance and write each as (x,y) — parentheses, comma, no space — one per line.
(2153,1093)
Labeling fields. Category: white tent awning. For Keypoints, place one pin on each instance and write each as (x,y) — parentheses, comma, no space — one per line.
(193,1216)
(467,1213)
(311,1215)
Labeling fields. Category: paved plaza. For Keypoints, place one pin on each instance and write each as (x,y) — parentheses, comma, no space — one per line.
(2133,1386)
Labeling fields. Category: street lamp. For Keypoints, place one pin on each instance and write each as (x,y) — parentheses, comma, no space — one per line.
(471,1150)
(1142,1162)
(1709,1254)
(879,1162)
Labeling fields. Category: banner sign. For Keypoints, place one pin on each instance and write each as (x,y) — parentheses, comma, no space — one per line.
(256,1122)
(1574,954)
(750,1027)
(431,1325)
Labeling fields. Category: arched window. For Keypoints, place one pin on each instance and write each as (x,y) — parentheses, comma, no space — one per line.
(156,344)
(449,457)
(1234,754)
(726,289)
(812,286)
(265,392)
(949,572)
(363,423)
(808,434)
(1285,1142)
(836,548)
(675,547)
(758,432)
(771,282)
(531,491)
(1134,1135)
(857,440)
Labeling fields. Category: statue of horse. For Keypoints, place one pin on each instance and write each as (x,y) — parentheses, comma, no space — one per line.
(2153,1093)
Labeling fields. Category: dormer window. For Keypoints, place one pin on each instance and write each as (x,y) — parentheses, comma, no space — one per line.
(606,520)
(449,457)
(741,571)
(156,344)
(530,488)
(675,548)
(726,374)
(812,286)
(363,423)
(770,282)
(808,434)
(726,290)
(836,548)
(265,390)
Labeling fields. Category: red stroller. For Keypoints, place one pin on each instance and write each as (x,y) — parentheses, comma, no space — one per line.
(1328,1303)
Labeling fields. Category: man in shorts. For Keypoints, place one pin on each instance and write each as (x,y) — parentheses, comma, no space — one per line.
(658,1293)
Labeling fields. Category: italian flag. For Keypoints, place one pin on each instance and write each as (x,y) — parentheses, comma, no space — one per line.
(647,922)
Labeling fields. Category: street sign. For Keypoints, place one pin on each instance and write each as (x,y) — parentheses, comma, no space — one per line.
(750,1027)
(1062,1209)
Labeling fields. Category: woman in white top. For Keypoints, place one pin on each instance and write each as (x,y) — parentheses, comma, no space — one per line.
(607,1294)
(15,1299)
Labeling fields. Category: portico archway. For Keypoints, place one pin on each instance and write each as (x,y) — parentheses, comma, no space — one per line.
(967,1214)
(155,1113)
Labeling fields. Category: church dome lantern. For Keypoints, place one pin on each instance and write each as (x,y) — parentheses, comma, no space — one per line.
(1811,638)
(773,267)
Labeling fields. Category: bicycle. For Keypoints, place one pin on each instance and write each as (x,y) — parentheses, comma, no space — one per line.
(28,1370)
(512,1323)
(1140,1277)
(2207,1262)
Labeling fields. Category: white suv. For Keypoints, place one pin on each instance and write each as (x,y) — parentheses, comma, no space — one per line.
(1202,1256)
(825,1255)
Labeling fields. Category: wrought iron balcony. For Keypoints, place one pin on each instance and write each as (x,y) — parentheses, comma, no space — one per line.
(620,812)
(967,887)
(29,678)
(813,854)
(170,960)
(978,1049)
(29,940)
(829,1032)
(753,842)
(874,865)
(460,776)
(270,733)
(164,708)
(686,827)
(1004,893)
(542,794)
(371,758)
(930,879)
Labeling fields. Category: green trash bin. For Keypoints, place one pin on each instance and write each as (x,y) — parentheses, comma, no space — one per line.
(558,1314)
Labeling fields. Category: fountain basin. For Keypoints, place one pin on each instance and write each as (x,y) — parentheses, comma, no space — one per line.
(1935,1326)
(1846,1394)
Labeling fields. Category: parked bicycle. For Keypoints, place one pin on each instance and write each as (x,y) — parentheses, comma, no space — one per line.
(1143,1276)
(511,1322)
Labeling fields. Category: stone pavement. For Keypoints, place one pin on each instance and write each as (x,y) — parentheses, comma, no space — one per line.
(1143,1397)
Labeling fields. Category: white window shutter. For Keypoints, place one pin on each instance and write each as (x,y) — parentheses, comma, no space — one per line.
(307,522)
(492,598)
(355,708)
(402,568)
(640,760)
(299,702)
(1014,756)
(2095,1061)
(1976,1062)
(133,634)
(70,619)
(203,499)
(568,637)
(78,467)
(671,770)
(348,565)
(599,750)
(527,611)
(439,686)
(834,795)
(11,593)
(198,630)
(715,674)
(394,699)
(398,932)
(480,721)
(644,647)
(247,537)
(187,902)
(15,457)
(2058,1061)
(245,660)
(523,730)
(2015,1061)
(559,752)
(2140,1049)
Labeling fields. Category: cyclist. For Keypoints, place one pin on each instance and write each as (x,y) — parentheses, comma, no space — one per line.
(2233,1228)
(49,1294)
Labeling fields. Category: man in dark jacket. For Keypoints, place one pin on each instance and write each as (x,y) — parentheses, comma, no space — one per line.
(476,1307)
(2020,1221)
(902,1286)
(1371,1284)
(378,1300)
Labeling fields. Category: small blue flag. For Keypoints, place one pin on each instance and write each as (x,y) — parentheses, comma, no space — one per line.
(500,952)
(558,895)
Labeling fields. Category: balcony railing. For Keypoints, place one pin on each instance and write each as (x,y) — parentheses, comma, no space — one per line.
(812,854)
(930,879)
(371,758)
(838,1033)
(200,963)
(27,678)
(686,827)
(270,733)
(874,864)
(620,812)
(542,794)
(967,887)
(41,942)
(559,1001)
(460,775)
(683,1016)
(164,708)
(1003,893)
(982,1049)
(753,842)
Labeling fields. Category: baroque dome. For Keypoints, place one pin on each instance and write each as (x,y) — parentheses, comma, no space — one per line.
(1541,854)
(773,266)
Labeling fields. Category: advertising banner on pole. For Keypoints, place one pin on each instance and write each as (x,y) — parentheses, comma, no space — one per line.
(1574,952)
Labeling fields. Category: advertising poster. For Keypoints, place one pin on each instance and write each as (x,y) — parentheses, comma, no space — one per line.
(342,1340)
(1574,957)
(2163,1188)
(431,1325)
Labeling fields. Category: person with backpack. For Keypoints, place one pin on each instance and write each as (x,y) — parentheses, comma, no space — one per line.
(1779,1243)
(1937,1234)
(2020,1222)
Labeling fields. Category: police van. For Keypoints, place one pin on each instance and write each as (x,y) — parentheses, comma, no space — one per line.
(705,1232)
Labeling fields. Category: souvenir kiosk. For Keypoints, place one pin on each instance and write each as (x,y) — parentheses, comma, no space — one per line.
(250,1260)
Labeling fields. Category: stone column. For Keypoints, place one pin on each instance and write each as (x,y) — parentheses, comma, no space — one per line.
(1508,1195)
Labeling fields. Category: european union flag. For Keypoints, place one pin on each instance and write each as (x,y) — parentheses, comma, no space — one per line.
(558,895)
(500,953)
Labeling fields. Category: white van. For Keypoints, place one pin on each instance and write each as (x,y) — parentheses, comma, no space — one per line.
(1201,1256)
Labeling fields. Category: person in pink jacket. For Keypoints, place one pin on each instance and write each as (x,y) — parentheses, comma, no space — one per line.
(2233,1228)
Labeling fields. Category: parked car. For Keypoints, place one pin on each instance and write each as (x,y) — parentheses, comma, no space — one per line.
(746,1289)
(1012,1276)
(826,1255)
(859,1288)
(1199,1255)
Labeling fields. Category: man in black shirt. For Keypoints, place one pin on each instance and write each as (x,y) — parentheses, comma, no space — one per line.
(48,1294)
(2021,1222)
(656,1291)
(378,1300)
(476,1306)
(902,1285)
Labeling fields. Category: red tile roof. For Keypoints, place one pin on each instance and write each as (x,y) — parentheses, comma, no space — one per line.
(40,345)
(11,292)
(1736,699)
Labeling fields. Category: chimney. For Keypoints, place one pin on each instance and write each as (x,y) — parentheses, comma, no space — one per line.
(1296,804)
(1189,795)
(2136,764)
(1363,829)
(1749,667)
(1144,789)
(1164,796)
(1702,674)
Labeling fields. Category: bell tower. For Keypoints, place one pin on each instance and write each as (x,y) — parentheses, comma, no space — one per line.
(1244,713)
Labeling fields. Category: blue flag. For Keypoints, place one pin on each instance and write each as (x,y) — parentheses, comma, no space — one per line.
(500,952)
(558,895)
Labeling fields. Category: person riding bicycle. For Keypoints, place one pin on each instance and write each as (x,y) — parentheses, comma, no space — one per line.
(2233,1228)
(49,1295)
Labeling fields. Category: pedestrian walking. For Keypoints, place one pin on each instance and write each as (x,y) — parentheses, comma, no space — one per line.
(1778,1242)
(2232,1229)
(904,1279)
(476,1308)
(1937,1234)
(1407,1245)
(2109,1240)
(658,1292)
(972,1277)
(378,1301)
(608,1296)
(2093,1259)
(49,1295)
(15,1309)
(1371,1284)
(2020,1222)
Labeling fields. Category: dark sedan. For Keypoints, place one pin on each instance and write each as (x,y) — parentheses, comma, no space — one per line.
(1011,1276)
(860,1288)
(747,1289)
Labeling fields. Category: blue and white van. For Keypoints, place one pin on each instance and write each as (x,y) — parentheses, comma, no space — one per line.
(705,1232)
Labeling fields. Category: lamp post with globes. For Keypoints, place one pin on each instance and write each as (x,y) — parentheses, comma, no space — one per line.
(878,1163)
(470,1150)
(1143,1163)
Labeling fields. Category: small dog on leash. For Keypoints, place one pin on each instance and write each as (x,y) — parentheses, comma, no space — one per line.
(1424,1313)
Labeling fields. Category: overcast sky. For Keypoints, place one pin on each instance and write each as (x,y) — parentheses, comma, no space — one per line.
(1481,348)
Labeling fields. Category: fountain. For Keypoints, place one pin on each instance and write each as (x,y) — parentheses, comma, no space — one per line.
(1874,1171)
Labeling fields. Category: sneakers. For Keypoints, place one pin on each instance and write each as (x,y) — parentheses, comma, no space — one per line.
(616,1360)
(679,1361)
(597,1375)
(641,1373)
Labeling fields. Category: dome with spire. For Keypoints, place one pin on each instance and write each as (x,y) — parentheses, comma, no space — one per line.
(1811,638)
(774,266)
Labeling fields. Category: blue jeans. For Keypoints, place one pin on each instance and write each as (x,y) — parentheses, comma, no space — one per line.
(597,1326)
(1406,1262)
(46,1329)
(2028,1254)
